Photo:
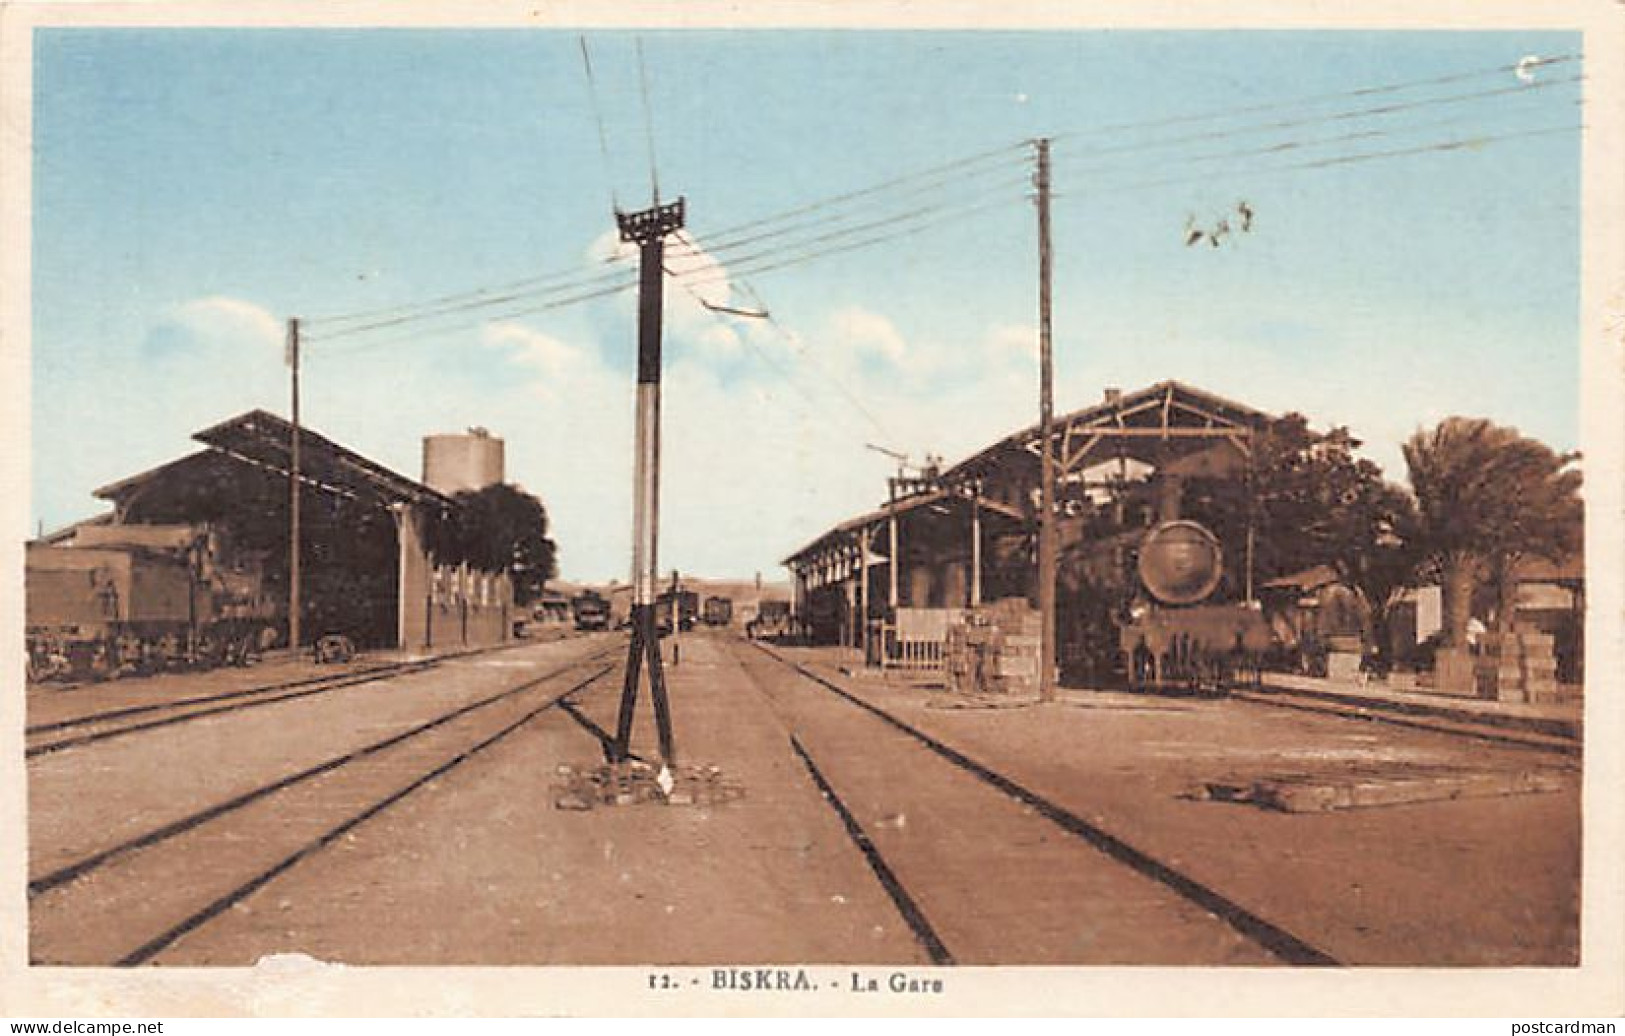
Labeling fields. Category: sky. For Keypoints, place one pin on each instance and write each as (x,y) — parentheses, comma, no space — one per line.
(196,188)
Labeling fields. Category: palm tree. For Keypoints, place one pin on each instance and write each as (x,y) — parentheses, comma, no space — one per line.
(1486,497)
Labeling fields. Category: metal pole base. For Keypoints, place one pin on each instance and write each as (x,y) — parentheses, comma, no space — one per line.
(644,650)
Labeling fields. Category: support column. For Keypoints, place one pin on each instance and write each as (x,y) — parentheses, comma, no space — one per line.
(863,592)
(976,550)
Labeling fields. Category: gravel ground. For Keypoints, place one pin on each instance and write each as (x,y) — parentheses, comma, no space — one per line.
(1490,881)
(480,868)
(87,798)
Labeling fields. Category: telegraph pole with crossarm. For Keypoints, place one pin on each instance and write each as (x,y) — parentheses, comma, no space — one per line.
(648,230)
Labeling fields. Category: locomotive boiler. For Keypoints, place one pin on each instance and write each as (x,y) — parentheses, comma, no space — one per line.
(1176,633)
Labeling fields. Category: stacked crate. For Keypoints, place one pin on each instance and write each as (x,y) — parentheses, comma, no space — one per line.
(1520,666)
(1004,637)
(1537,658)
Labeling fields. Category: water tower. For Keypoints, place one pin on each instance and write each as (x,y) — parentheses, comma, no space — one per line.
(468,461)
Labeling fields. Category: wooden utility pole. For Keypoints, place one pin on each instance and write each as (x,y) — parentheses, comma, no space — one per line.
(294,541)
(1046,416)
(648,230)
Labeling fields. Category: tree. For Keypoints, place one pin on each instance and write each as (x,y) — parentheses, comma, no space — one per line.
(1487,496)
(500,528)
(1310,502)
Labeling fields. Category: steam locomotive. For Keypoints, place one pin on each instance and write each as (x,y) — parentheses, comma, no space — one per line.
(590,610)
(1175,631)
(135,598)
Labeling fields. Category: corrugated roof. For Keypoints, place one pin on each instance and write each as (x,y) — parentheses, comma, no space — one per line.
(264,440)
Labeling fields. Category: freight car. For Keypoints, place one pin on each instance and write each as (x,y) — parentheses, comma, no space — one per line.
(685,604)
(591,610)
(137,598)
(773,621)
(717,611)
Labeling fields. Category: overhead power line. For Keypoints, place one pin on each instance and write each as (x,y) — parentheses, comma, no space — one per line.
(1375,111)
(348,349)
(648,123)
(865,208)
(1008,153)
(913,225)
(1455,144)
(614,280)
(598,117)
(1004,189)
(791,340)
(872,215)
(1397,86)
(1298,144)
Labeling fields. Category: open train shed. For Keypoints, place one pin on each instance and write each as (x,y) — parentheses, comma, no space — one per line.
(966,535)
(367,571)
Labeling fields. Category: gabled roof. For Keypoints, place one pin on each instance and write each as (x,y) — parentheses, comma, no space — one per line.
(1143,423)
(263,440)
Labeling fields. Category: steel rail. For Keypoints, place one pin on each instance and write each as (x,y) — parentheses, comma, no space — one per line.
(1276,940)
(300,688)
(65,874)
(158,943)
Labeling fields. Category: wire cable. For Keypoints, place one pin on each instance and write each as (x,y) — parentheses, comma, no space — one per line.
(1004,151)
(600,279)
(789,339)
(369,346)
(1458,144)
(598,117)
(1280,147)
(796,243)
(1359,113)
(725,242)
(913,226)
(1309,99)
(648,124)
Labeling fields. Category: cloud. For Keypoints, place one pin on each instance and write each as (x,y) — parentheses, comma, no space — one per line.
(215,322)
(556,360)
(863,332)
(1018,340)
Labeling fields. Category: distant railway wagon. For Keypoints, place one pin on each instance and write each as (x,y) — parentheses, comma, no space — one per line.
(772,620)
(110,608)
(685,603)
(718,611)
(591,610)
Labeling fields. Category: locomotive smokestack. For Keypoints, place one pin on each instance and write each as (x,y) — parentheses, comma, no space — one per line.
(1170,495)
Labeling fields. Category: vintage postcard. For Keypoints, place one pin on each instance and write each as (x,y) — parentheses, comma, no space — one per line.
(815,509)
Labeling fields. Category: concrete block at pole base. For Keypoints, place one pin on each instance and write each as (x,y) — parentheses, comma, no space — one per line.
(1453,672)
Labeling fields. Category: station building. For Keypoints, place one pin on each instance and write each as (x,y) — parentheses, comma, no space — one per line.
(892,582)
(367,571)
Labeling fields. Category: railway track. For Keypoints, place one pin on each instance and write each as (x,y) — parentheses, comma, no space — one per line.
(92,727)
(985,870)
(174,879)
(1501,733)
